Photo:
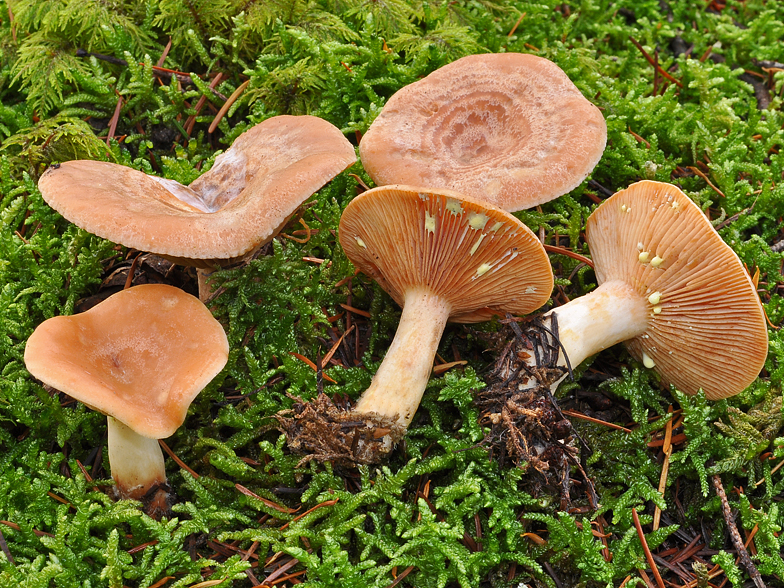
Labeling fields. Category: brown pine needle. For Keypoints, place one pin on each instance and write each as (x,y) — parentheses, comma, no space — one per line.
(270,503)
(402,575)
(443,367)
(667,449)
(662,485)
(773,471)
(517,24)
(297,239)
(700,173)
(358,311)
(87,476)
(226,105)
(646,549)
(334,348)
(208,583)
(307,512)
(165,53)
(567,253)
(304,359)
(654,64)
(639,138)
(177,460)
(114,120)
(269,580)
(16,527)
(360,181)
(131,272)
(584,417)
(288,577)
(162,581)
(142,547)
(189,124)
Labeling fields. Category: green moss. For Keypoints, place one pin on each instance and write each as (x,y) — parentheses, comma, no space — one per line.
(440,497)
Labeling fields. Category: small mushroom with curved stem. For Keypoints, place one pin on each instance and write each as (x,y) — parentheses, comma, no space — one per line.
(221,218)
(140,357)
(441,256)
(509,128)
(670,289)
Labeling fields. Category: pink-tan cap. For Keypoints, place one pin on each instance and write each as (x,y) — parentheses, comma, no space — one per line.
(226,214)
(141,356)
(509,128)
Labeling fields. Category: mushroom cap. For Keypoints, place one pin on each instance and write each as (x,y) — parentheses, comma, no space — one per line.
(141,356)
(482,260)
(709,330)
(509,128)
(231,210)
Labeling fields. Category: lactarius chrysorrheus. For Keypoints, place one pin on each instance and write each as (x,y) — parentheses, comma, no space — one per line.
(509,128)
(140,357)
(222,217)
(441,256)
(671,289)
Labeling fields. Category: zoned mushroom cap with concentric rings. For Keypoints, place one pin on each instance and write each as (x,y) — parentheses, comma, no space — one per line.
(509,128)
(140,356)
(227,213)
(706,326)
(483,260)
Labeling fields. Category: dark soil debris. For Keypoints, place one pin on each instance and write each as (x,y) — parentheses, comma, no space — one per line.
(327,431)
(526,425)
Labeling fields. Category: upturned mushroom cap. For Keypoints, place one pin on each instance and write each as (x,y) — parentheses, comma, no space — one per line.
(227,213)
(510,129)
(482,260)
(706,327)
(141,356)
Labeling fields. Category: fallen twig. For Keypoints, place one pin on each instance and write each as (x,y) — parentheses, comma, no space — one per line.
(735,535)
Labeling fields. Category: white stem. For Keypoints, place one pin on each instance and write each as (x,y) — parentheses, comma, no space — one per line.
(612,313)
(400,381)
(136,461)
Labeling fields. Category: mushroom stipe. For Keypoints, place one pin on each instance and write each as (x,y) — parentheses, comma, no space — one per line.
(442,256)
(670,289)
(140,357)
(222,217)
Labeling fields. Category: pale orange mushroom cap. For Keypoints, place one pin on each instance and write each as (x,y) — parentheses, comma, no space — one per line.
(509,128)
(706,327)
(483,260)
(141,356)
(231,210)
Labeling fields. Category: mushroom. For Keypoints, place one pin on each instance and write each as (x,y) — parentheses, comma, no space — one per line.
(671,289)
(441,256)
(225,215)
(140,357)
(510,129)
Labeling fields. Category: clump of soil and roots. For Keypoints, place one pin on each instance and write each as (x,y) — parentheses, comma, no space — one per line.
(329,431)
(526,425)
